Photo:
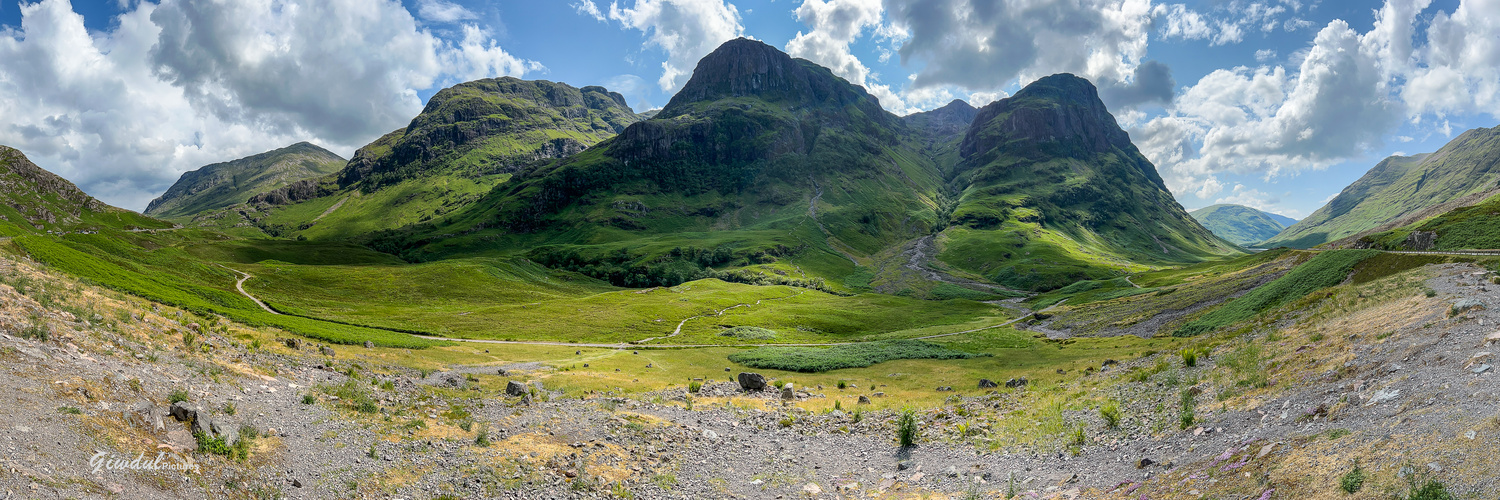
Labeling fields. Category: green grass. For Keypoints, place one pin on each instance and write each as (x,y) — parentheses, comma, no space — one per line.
(1323,270)
(814,359)
(749,333)
(1464,228)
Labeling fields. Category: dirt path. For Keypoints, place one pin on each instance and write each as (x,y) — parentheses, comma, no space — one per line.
(331,209)
(240,285)
(678,330)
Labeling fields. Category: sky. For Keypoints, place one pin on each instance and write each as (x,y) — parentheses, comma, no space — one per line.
(1274,104)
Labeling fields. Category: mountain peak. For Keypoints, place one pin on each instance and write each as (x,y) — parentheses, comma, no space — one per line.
(743,67)
(1061,109)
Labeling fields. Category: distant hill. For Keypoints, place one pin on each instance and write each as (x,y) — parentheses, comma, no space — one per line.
(33,200)
(222,185)
(1469,227)
(1467,168)
(469,138)
(767,159)
(1241,225)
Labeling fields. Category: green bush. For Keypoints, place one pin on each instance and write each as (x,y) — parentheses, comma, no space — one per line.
(817,359)
(1352,480)
(36,330)
(749,333)
(1427,488)
(308,399)
(1323,270)
(907,432)
(694,387)
(1188,413)
(177,396)
(1110,411)
(1189,357)
(843,385)
(483,439)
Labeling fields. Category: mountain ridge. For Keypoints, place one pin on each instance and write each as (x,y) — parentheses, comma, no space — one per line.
(1239,224)
(225,184)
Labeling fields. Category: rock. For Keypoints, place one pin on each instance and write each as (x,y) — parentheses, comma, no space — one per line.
(296,483)
(502,372)
(1383,395)
(369,345)
(1493,338)
(1108,362)
(1195,390)
(1461,306)
(1265,450)
(1479,358)
(752,381)
(945,389)
(575,353)
(787,393)
(864,400)
(726,369)
(1480,369)
(513,388)
(1016,382)
(293,344)
(202,424)
(538,385)
(710,434)
(985,383)
(812,489)
(951,471)
(903,465)
(878,395)
(223,431)
(1144,463)
(183,412)
(917,477)
(327,351)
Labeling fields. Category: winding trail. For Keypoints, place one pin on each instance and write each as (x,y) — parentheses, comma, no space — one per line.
(678,330)
(240,285)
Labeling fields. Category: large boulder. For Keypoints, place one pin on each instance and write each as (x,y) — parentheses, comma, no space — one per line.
(985,383)
(513,388)
(1016,382)
(752,381)
(183,411)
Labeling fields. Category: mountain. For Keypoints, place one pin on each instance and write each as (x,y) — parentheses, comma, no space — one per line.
(1241,225)
(763,160)
(35,200)
(1462,172)
(222,185)
(468,139)
(1050,190)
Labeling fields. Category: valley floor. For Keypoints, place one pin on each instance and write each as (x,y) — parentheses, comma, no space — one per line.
(1376,377)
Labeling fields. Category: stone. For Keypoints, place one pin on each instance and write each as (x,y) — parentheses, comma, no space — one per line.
(903,465)
(1480,369)
(1144,463)
(710,434)
(812,489)
(787,393)
(985,383)
(369,345)
(752,381)
(502,372)
(1016,382)
(1383,395)
(878,395)
(513,388)
(945,389)
(864,400)
(1108,362)
(327,351)
(917,477)
(951,471)
(183,411)
(293,344)
(202,425)
(1265,450)
(1479,358)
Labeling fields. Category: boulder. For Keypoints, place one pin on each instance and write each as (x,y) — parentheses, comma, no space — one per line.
(369,345)
(1143,463)
(202,424)
(985,383)
(513,388)
(183,411)
(225,432)
(1016,382)
(787,393)
(292,344)
(864,400)
(945,389)
(327,351)
(752,381)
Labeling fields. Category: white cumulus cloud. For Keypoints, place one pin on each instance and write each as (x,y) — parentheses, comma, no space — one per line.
(686,29)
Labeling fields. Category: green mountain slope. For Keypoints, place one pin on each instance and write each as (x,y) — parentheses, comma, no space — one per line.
(1239,224)
(33,200)
(760,158)
(222,185)
(1403,185)
(1471,227)
(470,138)
(1050,191)
(775,168)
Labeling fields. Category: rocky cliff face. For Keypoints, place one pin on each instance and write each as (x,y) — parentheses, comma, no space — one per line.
(33,199)
(749,68)
(19,175)
(947,121)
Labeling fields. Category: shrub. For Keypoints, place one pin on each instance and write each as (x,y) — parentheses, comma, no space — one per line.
(229,408)
(177,396)
(1189,357)
(70,410)
(1187,415)
(859,414)
(1110,411)
(308,399)
(483,439)
(1427,488)
(1353,480)
(906,428)
(843,385)
(37,330)
(694,387)
(838,405)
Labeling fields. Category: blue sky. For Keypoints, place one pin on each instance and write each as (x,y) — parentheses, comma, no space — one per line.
(1276,104)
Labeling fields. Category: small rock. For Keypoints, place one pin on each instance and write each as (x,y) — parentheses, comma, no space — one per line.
(787,393)
(878,395)
(951,471)
(1383,395)
(1470,435)
(1016,382)
(945,389)
(501,372)
(292,344)
(296,483)
(1480,369)
(183,412)
(327,351)
(710,434)
(903,465)
(1265,450)
(369,345)
(985,383)
(1144,463)
(812,489)
(917,477)
(864,400)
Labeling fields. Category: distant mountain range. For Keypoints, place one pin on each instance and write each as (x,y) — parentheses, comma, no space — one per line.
(1240,224)
(1401,190)
(223,185)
